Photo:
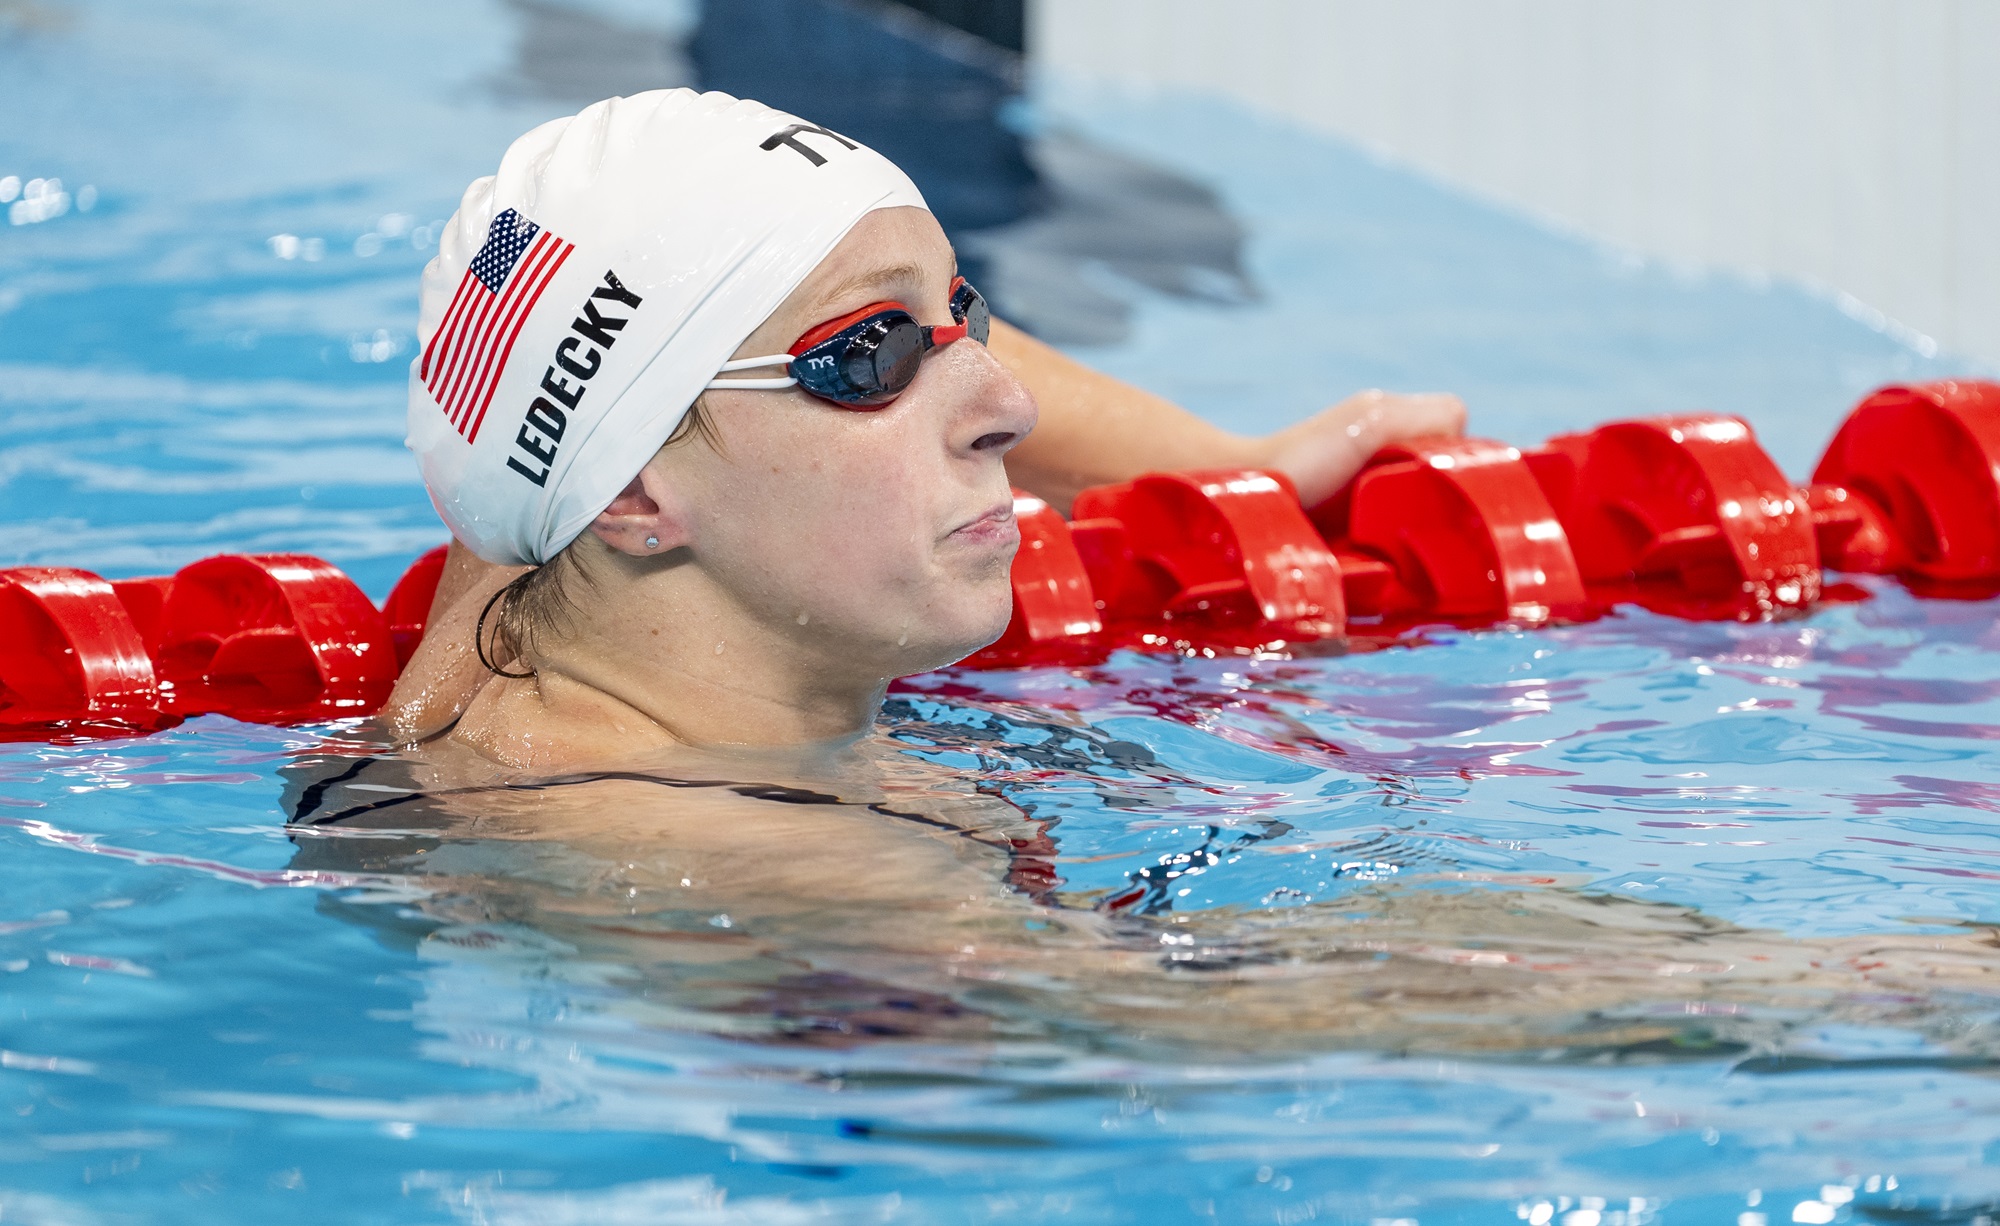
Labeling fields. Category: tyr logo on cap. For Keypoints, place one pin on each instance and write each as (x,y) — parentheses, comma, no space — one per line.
(790,137)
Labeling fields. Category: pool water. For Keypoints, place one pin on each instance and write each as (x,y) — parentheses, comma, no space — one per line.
(1266,919)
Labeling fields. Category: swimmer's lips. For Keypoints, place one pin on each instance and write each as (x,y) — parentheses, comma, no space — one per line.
(996,526)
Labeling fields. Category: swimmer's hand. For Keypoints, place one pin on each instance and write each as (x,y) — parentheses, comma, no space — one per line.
(1326,451)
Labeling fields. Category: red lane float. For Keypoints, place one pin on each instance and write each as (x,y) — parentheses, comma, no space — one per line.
(276,638)
(1689,511)
(1436,530)
(409,603)
(1910,485)
(273,638)
(1225,555)
(1453,529)
(74,662)
(145,600)
(1684,514)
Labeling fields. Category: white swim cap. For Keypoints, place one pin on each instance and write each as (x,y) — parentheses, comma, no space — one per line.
(583,297)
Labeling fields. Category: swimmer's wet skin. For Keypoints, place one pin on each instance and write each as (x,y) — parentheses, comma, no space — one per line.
(860,876)
(742,415)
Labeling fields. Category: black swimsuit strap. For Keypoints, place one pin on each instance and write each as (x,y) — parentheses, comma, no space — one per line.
(1029,860)
(315,792)
(752,791)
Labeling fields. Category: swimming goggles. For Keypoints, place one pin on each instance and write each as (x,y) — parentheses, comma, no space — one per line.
(865,359)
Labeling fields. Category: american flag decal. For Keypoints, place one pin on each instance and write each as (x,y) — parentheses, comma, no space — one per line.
(468,351)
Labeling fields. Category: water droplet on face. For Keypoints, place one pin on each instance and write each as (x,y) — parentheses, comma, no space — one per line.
(905,640)
(718,649)
(803,618)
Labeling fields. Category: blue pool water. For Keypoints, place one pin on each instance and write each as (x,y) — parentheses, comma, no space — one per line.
(204,1019)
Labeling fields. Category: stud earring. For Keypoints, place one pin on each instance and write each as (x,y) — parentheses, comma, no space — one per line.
(652,542)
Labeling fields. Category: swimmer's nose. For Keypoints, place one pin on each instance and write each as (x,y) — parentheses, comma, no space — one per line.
(995,410)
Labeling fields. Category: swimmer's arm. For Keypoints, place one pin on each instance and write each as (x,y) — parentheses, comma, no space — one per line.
(1095,430)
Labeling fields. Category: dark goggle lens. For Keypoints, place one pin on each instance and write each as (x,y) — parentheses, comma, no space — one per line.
(880,365)
(868,364)
(875,360)
(969,308)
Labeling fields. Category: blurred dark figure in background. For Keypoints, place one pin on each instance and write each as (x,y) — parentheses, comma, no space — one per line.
(1056,231)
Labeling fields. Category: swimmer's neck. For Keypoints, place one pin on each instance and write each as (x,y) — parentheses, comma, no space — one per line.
(701,685)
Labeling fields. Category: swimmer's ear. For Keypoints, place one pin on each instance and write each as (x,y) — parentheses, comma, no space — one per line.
(646,520)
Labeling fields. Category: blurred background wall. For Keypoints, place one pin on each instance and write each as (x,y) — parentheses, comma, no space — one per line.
(1853,144)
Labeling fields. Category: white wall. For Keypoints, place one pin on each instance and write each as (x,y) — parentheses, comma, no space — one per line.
(1850,143)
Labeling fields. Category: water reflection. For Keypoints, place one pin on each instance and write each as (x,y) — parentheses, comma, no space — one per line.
(882,896)
(1056,930)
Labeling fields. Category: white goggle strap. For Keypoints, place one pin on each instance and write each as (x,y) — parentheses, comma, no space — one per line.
(753,385)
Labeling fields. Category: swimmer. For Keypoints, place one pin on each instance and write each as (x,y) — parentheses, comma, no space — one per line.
(725,444)
(745,458)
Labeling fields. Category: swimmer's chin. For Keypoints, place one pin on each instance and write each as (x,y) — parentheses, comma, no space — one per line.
(981,632)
